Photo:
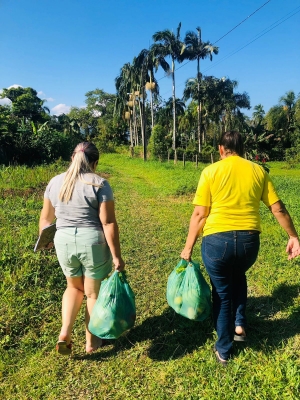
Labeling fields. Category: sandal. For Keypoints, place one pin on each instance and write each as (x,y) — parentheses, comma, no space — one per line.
(219,359)
(239,337)
(63,348)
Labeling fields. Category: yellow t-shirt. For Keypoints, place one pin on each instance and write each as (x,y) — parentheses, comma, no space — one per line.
(233,189)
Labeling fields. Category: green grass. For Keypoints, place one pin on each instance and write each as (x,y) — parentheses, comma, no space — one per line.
(164,356)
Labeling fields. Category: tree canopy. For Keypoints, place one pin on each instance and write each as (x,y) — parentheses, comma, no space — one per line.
(210,105)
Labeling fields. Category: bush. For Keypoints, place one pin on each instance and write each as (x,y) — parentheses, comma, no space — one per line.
(158,145)
(292,156)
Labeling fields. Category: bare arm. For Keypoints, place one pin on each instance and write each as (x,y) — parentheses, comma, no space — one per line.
(47,215)
(284,219)
(197,223)
(111,232)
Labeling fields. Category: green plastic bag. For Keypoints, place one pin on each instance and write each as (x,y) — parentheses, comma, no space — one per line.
(114,311)
(187,291)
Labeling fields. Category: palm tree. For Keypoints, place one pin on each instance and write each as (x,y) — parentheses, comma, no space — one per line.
(169,44)
(258,114)
(126,84)
(222,103)
(289,106)
(147,62)
(289,102)
(186,124)
(233,117)
(195,49)
(179,106)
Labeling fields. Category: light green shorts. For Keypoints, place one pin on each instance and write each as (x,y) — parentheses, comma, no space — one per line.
(83,251)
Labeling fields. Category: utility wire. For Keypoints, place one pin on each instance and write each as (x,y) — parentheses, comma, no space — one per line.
(262,33)
(240,23)
(259,35)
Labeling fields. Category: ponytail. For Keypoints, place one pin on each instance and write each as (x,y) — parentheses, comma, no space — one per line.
(83,156)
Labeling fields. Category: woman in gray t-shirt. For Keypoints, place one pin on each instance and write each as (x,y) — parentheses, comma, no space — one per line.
(87,237)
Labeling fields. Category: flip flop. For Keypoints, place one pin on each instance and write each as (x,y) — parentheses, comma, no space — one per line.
(63,348)
(219,359)
(239,337)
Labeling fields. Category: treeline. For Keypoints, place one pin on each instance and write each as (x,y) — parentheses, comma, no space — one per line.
(30,135)
(209,106)
(137,116)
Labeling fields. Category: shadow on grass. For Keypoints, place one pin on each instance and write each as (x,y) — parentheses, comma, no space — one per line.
(266,332)
(173,336)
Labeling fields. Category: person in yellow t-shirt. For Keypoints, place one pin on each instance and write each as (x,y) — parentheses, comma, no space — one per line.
(227,212)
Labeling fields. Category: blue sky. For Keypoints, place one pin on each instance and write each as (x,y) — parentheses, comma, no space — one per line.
(64,48)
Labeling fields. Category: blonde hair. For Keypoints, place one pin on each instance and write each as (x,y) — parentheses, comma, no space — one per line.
(83,156)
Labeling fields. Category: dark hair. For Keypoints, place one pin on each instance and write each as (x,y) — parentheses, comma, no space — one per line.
(232,141)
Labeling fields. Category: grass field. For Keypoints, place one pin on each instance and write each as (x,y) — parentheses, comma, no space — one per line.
(165,356)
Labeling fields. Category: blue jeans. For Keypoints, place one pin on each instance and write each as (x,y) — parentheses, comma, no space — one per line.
(227,256)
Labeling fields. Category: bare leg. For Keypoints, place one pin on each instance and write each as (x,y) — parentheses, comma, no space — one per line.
(91,289)
(71,302)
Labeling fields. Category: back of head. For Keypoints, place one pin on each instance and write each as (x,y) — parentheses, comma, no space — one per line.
(84,156)
(232,141)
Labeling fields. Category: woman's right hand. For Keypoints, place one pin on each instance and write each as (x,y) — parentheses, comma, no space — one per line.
(186,254)
(293,248)
(118,263)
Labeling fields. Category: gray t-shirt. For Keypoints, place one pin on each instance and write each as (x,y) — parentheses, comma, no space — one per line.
(82,210)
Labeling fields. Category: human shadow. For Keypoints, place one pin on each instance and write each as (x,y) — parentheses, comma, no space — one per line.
(266,329)
(172,336)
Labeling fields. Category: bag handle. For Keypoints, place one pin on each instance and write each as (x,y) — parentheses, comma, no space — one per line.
(122,276)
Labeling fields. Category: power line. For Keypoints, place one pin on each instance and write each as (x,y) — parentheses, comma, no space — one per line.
(259,35)
(262,33)
(240,23)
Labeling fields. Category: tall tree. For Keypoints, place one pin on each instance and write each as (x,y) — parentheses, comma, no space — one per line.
(127,84)
(195,49)
(187,124)
(169,44)
(221,98)
(99,102)
(147,62)
(26,104)
(258,114)
(222,104)
(166,112)
(289,103)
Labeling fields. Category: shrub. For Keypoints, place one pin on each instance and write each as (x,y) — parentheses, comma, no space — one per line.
(292,156)
(158,145)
